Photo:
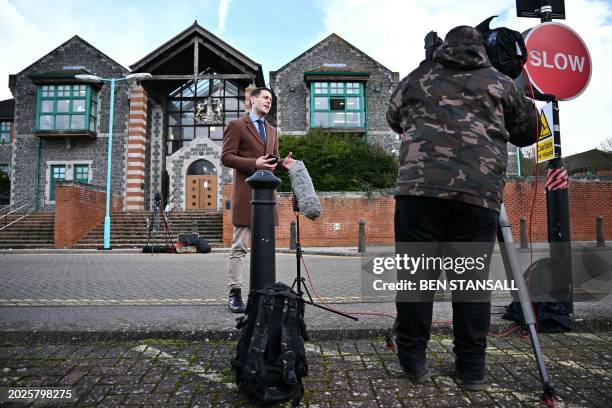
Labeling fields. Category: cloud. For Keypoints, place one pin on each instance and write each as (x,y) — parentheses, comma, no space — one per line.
(223,11)
(392,31)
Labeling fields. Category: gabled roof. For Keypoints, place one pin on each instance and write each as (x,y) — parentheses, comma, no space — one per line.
(76,38)
(594,159)
(7,109)
(332,36)
(195,30)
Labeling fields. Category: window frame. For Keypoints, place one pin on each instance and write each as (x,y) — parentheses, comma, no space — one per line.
(53,181)
(335,90)
(190,93)
(90,100)
(69,175)
(76,167)
(5,134)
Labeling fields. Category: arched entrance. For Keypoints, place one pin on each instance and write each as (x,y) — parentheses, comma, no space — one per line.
(201,186)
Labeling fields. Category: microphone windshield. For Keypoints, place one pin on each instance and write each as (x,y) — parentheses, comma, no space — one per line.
(304,191)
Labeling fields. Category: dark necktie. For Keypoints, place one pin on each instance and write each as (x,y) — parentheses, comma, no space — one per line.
(261,130)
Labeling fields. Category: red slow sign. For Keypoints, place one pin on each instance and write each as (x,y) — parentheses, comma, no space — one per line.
(559,62)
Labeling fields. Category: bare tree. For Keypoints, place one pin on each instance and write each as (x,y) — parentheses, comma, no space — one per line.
(606,145)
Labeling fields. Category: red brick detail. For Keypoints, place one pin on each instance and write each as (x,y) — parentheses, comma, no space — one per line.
(78,210)
(138,115)
(134,194)
(12,134)
(588,199)
(135,130)
(134,150)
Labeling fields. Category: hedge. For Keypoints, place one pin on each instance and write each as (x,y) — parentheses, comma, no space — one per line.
(340,162)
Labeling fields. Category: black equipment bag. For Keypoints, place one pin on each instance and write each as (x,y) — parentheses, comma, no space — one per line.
(194,239)
(202,245)
(505,48)
(270,358)
(551,314)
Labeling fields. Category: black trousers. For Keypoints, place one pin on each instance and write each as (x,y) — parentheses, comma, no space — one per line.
(428,219)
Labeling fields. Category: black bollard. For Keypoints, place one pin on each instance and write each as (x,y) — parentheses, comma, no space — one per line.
(601,240)
(523,230)
(263,246)
(361,246)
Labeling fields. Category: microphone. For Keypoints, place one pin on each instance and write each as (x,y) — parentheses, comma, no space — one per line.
(304,191)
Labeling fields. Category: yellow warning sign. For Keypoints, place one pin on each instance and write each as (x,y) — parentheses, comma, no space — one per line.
(544,127)
(546,150)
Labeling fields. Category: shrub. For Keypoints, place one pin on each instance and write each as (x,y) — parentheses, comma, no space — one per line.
(340,162)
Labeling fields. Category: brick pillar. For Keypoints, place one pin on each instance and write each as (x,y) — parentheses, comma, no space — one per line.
(137,132)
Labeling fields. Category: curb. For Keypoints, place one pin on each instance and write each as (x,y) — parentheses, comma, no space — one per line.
(590,325)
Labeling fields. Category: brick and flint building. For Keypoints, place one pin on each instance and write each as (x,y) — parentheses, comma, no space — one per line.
(168,129)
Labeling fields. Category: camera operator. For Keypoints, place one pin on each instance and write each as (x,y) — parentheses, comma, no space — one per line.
(455,114)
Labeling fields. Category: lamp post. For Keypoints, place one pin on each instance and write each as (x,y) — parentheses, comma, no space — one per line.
(94,78)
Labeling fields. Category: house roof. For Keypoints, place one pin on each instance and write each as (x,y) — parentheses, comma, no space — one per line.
(7,109)
(76,38)
(594,159)
(212,43)
(332,36)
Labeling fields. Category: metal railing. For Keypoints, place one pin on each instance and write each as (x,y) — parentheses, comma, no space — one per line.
(21,207)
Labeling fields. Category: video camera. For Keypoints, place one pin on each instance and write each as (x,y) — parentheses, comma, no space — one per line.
(505,47)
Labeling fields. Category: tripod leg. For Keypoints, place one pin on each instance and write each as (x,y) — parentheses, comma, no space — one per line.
(504,236)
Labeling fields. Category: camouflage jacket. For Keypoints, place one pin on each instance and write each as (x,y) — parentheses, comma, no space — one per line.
(455,115)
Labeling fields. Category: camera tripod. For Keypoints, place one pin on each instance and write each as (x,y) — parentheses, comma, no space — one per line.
(299,281)
(158,216)
(504,237)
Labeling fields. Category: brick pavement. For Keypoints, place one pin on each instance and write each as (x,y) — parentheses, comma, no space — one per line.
(158,372)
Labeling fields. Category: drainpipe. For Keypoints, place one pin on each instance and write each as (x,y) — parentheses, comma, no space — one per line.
(36,198)
(365,110)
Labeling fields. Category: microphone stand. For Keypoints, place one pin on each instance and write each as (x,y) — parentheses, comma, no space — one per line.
(299,279)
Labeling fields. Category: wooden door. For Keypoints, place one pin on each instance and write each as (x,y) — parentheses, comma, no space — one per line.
(201,192)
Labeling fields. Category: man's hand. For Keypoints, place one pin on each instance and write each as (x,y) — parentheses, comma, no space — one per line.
(288,161)
(262,163)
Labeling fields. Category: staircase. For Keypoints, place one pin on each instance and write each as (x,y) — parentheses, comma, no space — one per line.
(34,231)
(128,229)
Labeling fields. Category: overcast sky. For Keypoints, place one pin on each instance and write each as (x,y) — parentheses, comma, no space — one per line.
(390,31)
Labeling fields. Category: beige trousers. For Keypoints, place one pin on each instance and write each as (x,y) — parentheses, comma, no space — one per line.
(241,240)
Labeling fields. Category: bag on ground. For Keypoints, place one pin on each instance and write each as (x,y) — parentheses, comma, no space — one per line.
(270,358)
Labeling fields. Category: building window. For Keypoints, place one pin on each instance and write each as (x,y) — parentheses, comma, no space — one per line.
(202,109)
(337,105)
(81,173)
(4,168)
(66,107)
(58,173)
(5,132)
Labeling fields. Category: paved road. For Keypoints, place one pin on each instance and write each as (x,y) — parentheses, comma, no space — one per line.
(110,292)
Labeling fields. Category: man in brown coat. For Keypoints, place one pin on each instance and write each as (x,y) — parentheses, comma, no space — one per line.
(248,145)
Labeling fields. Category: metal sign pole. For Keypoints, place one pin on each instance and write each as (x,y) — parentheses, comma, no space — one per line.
(557,205)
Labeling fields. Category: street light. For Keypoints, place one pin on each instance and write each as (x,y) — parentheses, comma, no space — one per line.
(95,78)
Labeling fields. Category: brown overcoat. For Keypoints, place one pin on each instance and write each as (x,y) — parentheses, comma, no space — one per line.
(242,145)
